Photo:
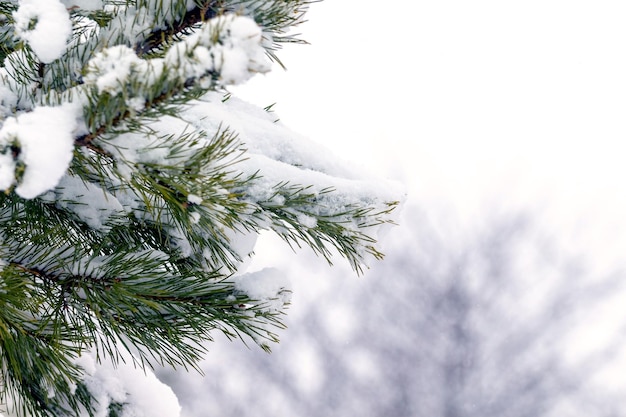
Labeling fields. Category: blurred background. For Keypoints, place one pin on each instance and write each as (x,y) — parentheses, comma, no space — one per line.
(503,290)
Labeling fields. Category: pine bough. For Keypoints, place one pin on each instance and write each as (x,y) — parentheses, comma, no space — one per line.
(134,188)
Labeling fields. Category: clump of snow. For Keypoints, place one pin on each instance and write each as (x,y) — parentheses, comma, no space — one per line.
(71,193)
(45,141)
(242,54)
(259,131)
(243,243)
(270,287)
(194,199)
(142,394)
(229,45)
(112,68)
(45,25)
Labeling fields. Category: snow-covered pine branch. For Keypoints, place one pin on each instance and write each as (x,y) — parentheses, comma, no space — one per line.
(135,187)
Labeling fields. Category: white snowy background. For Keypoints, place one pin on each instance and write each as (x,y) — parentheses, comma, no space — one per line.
(502,292)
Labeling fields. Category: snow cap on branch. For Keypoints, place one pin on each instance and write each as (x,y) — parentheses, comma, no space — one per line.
(269,287)
(112,385)
(112,68)
(230,46)
(225,50)
(45,25)
(46,144)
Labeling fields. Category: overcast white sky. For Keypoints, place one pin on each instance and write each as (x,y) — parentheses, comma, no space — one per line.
(483,105)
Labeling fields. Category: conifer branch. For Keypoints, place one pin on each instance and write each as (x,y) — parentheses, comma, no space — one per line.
(161,36)
(131,251)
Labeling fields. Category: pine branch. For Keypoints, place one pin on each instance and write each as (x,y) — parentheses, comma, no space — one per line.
(163,36)
(129,253)
(7,36)
(35,355)
(161,104)
(161,84)
(299,214)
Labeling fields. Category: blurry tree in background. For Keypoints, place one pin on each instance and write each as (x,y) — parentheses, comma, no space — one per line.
(134,187)
(488,326)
